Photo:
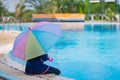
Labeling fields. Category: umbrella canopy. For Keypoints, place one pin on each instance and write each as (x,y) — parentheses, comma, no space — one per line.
(36,41)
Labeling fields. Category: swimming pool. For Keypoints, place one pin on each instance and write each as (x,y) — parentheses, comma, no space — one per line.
(92,53)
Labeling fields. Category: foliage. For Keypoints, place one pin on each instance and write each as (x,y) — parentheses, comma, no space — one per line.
(87,7)
(3,10)
(27,16)
(111,6)
(37,5)
(119,9)
(96,8)
(51,8)
(57,6)
(87,17)
(110,14)
(61,6)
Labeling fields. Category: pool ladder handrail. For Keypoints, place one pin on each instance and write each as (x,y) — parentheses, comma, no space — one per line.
(7,19)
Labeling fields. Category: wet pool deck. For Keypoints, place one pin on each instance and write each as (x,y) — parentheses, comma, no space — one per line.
(8,71)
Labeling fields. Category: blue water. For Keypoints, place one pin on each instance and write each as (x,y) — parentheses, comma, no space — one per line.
(92,53)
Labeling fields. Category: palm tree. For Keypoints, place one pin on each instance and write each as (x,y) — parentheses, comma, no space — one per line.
(20,9)
(51,8)
(37,5)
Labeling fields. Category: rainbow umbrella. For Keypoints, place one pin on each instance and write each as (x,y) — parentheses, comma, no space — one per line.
(36,40)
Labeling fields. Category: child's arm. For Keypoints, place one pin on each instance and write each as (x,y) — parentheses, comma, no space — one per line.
(45,58)
(50,59)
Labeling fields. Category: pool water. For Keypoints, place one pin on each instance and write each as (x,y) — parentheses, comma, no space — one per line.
(17,27)
(92,53)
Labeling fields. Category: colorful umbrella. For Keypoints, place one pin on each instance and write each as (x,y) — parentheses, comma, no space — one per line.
(36,41)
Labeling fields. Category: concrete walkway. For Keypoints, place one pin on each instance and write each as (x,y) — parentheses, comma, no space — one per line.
(14,74)
(7,70)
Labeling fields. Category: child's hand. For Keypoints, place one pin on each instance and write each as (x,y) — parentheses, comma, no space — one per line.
(50,59)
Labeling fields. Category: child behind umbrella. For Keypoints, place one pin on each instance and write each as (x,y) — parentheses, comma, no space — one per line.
(37,66)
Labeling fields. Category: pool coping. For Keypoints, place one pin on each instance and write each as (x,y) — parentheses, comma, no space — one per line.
(8,77)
